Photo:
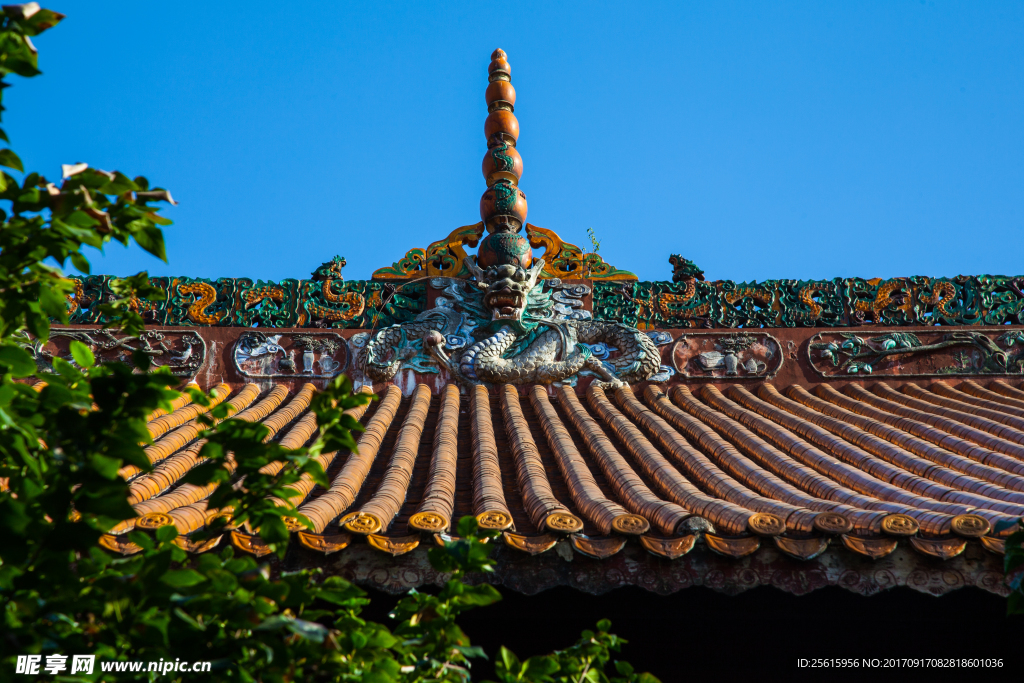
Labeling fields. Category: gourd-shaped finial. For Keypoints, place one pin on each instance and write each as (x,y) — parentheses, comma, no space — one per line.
(503,206)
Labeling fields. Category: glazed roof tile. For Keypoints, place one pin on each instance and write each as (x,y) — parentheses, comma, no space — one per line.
(937,462)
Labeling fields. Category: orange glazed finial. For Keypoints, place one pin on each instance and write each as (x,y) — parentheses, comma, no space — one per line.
(503,206)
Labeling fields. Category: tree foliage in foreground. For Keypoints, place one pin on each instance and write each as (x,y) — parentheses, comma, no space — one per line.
(62,447)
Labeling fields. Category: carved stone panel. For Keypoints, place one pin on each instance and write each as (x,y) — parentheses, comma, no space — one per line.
(183,350)
(312,355)
(924,353)
(743,355)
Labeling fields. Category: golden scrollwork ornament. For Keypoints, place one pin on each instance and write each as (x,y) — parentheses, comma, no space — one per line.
(632,525)
(766,524)
(292,524)
(970,526)
(563,522)
(833,523)
(154,520)
(494,519)
(428,521)
(362,523)
(900,525)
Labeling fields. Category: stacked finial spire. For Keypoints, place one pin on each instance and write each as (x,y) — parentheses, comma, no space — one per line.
(503,206)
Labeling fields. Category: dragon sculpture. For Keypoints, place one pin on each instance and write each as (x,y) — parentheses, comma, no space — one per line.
(502,328)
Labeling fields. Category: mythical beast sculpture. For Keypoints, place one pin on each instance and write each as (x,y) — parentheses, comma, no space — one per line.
(502,328)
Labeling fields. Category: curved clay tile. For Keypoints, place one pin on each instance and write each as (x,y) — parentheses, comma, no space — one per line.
(346,485)
(591,503)
(164,423)
(627,484)
(1012,394)
(701,423)
(939,498)
(268,404)
(864,512)
(655,467)
(946,397)
(849,466)
(943,439)
(190,518)
(925,449)
(978,491)
(771,473)
(170,470)
(489,505)
(706,470)
(729,517)
(191,494)
(283,417)
(435,511)
(943,502)
(896,403)
(542,507)
(975,394)
(185,434)
(306,483)
(182,400)
(387,500)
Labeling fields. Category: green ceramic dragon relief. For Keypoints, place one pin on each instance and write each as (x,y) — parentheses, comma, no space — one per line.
(328,300)
(502,327)
(325,300)
(690,302)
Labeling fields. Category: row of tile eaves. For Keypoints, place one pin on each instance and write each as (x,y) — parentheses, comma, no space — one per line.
(732,466)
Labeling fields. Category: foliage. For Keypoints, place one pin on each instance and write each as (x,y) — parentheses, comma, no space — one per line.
(596,245)
(64,443)
(1013,565)
(47,222)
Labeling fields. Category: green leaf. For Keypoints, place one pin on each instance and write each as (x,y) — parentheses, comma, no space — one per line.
(151,238)
(166,533)
(359,640)
(82,354)
(509,659)
(480,595)
(310,630)
(18,360)
(80,262)
(182,578)
(41,21)
(9,159)
(540,667)
(467,526)
(181,614)
(273,530)
(105,466)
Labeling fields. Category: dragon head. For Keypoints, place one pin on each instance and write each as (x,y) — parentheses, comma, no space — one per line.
(505,288)
(330,270)
(684,269)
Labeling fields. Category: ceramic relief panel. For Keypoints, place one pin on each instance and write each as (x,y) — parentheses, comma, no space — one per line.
(734,356)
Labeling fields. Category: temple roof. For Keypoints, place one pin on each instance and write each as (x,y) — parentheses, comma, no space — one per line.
(736,465)
(588,416)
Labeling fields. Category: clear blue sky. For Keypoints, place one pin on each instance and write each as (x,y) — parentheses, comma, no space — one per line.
(786,139)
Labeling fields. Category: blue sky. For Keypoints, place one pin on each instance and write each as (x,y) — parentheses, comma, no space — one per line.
(787,139)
